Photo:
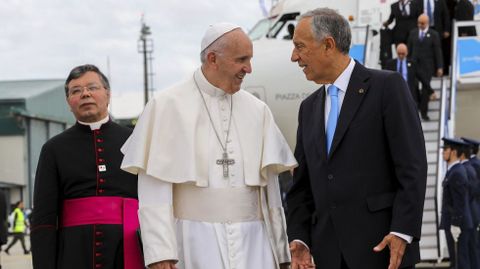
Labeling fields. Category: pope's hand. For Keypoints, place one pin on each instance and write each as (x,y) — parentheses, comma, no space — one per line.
(456,231)
(163,265)
(301,258)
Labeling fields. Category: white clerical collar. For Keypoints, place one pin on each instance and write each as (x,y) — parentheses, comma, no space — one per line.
(464,161)
(342,81)
(473,156)
(96,125)
(206,86)
(449,166)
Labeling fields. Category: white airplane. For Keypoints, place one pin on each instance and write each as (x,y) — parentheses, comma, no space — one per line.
(281,83)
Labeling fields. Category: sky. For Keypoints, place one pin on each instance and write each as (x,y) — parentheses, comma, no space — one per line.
(46,39)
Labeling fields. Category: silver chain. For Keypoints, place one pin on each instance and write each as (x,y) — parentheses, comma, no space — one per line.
(210,117)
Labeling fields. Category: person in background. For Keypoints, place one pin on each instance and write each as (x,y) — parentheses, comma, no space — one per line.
(426,51)
(439,20)
(456,218)
(407,69)
(19,227)
(465,11)
(405,14)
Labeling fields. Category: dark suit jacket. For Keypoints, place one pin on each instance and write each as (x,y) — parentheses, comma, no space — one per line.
(411,77)
(426,53)
(464,11)
(441,16)
(403,24)
(373,181)
(455,202)
(473,192)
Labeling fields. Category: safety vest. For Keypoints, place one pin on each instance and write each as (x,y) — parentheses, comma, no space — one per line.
(19,226)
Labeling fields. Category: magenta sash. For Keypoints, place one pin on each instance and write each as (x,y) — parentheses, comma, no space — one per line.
(108,210)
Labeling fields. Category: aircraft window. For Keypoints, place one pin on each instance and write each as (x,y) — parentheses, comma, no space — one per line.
(280,29)
(260,29)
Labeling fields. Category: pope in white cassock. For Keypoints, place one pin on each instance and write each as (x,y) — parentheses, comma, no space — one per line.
(208,155)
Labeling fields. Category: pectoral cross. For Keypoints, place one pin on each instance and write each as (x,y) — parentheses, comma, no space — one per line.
(225,161)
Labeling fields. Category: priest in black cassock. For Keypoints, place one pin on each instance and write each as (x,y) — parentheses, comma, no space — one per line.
(85,207)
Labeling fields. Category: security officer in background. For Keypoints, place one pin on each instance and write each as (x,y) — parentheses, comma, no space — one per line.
(474,191)
(456,214)
(474,162)
(474,151)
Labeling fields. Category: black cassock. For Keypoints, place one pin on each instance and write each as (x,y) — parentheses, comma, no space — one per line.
(79,163)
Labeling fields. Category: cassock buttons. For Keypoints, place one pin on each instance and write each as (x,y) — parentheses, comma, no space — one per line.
(99,140)
(330,176)
(98,254)
(100,149)
(101,180)
(97,132)
(361,91)
(102,168)
(97,244)
(101,190)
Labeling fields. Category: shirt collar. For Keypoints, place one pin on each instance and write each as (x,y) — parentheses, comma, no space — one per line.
(342,81)
(96,125)
(449,166)
(206,86)
(464,161)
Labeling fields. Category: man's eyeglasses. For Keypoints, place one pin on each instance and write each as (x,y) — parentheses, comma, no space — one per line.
(78,90)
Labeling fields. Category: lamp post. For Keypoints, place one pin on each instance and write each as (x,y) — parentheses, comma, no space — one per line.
(145,46)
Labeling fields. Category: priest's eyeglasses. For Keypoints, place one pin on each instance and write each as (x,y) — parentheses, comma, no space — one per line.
(78,90)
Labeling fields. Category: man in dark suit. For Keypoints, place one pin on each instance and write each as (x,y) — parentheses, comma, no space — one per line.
(439,20)
(464,11)
(424,44)
(406,68)
(405,14)
(437,12)
(360,184)
(456,217)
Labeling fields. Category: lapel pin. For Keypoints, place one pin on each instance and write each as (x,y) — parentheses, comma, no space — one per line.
(361,91)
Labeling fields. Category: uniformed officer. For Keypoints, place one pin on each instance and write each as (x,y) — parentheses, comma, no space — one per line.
(472,163)
(456,217)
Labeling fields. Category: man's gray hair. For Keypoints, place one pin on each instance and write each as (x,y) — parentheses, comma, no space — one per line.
(327,22)
(218,46)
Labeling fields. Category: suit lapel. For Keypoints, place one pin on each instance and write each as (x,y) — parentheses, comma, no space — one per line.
(356,91)
(319,121)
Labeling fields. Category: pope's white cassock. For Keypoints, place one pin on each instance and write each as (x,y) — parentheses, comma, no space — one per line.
(189,210)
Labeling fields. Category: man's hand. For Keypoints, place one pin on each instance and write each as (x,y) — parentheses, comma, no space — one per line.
(397,249)
(301,258)
(439,72)
(456,231)
(163,265)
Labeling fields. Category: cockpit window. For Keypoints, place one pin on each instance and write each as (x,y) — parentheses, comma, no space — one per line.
(261,28)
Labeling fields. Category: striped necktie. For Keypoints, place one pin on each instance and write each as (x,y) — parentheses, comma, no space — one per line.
(332,115)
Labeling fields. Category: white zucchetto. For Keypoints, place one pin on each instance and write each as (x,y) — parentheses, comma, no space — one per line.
(215,31)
